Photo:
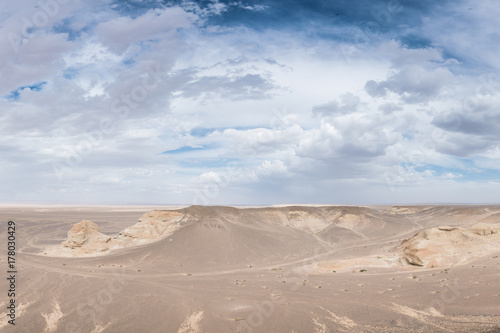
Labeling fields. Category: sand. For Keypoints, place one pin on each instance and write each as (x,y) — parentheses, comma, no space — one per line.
(263,269)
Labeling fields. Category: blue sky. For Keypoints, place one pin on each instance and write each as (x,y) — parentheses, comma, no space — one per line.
(250,102)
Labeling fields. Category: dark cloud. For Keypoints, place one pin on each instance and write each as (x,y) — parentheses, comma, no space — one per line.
(414,41)
(463,145)
(315,18)
(481,122)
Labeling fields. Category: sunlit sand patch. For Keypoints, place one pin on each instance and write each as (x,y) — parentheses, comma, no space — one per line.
(319,326)
(356,263)
(420,315)
(100,328)
(414,313)
(341,320)
(192,323)
(52,319)
(21,309)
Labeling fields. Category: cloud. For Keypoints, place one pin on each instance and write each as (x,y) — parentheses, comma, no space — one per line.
(37,60)
(413,84)
(349,103)
(120,33)
(274,168)
(481,118)
(232,87)
(308,102)
(388,108)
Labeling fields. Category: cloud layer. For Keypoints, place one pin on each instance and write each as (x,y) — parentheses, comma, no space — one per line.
(234,102)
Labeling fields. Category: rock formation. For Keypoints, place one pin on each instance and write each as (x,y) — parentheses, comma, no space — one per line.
(447,246)
(154,224)
(86,238)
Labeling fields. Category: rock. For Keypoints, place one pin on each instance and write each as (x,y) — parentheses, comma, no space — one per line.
(86,236)
(484,229)
(446,246)
(85,239)
(446,228)
(154,224)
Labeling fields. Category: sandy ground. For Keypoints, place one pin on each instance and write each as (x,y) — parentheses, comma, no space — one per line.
(279,269)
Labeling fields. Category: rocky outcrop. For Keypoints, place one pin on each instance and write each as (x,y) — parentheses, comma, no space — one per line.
(485,229)
(447,246)
(332,225)
(86,238)
(154,224)
(400,210)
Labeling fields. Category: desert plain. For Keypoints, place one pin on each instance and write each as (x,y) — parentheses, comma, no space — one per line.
(318,269)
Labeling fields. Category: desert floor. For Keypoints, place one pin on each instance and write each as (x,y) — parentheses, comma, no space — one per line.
(275,269)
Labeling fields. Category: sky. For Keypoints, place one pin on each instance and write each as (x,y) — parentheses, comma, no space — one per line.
(249,102)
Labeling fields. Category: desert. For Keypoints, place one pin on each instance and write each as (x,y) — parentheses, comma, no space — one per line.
(249,166)
(262,269)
